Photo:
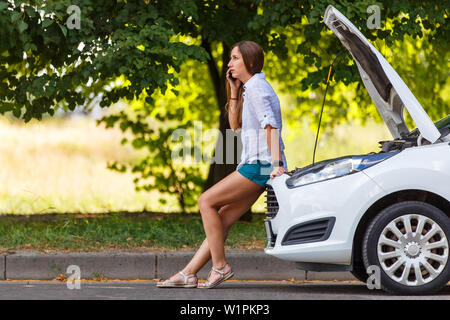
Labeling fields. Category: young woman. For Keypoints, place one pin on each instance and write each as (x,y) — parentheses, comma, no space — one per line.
(254,108)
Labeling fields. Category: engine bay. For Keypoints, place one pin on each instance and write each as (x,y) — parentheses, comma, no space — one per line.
(413,139)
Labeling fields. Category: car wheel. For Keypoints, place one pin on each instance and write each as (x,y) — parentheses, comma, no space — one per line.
(409,242)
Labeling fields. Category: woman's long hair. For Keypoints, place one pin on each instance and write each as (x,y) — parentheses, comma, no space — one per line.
(253,57)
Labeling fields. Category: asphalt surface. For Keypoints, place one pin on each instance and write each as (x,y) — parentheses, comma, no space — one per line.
(230,290)
(30,276)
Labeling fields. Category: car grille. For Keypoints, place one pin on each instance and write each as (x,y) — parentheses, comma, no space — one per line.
(311,231)
(271,203)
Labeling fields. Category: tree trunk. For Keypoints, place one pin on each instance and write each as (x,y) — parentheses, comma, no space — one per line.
(218,171)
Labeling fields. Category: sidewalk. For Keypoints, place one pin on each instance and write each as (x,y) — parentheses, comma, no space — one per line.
(127,265)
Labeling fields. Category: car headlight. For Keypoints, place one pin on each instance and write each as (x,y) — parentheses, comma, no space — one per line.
(334,168)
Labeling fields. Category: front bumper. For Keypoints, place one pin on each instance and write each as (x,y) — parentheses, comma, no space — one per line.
(271,237)
(343,200)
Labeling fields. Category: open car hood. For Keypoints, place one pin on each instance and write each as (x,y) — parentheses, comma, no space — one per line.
(387,90)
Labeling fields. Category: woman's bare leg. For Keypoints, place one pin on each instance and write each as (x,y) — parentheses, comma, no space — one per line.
(229,214)
(232,188)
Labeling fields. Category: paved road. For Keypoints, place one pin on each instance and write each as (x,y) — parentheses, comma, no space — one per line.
(231,290)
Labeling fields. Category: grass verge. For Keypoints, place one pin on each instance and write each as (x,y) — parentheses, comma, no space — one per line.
(120,231)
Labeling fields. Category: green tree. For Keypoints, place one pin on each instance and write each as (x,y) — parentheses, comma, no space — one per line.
(135,50)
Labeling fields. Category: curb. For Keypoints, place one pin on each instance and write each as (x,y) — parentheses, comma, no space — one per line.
(117,265)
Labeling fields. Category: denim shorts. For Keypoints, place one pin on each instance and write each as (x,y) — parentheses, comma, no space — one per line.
(258,172)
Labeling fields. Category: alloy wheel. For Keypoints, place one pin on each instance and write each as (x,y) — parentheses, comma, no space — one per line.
(413,249)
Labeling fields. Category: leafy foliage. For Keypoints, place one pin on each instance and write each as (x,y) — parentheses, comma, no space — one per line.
(413,36)
(138,50)
(43,64)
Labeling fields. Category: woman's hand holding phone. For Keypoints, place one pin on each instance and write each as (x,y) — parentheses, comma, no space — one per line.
(234,82)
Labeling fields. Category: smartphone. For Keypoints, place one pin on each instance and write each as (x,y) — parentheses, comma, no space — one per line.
(231,77)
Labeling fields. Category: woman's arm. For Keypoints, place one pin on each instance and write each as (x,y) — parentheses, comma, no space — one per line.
(273,141)
(233,114)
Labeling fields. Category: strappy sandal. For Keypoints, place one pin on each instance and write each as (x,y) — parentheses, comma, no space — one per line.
(185,284)
(223,277)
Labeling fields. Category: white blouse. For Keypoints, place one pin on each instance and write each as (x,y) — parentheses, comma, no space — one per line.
(260,108)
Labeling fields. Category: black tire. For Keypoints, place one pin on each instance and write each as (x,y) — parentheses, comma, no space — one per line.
(359,272)
(409,248)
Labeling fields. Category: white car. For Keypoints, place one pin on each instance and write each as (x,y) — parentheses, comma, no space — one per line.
(388,209)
